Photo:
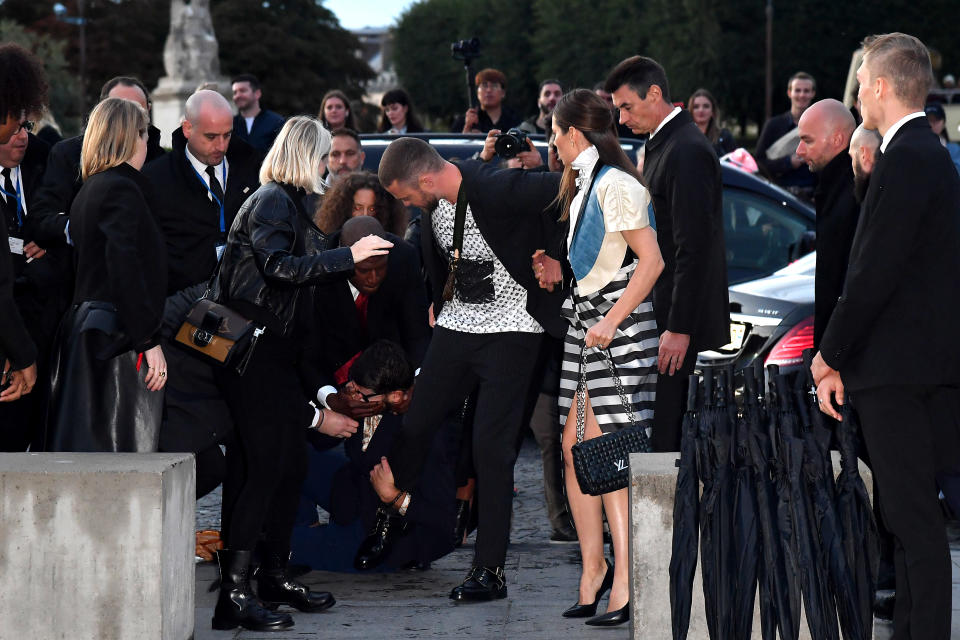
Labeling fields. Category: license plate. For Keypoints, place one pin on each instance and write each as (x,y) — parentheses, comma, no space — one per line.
(737,332)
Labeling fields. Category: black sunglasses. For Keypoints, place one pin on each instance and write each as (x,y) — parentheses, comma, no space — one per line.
(26,124)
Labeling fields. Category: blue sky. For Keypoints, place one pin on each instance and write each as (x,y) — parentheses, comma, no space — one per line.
(354,14)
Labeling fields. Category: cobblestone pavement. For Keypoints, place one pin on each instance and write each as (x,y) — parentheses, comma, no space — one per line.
(541,579)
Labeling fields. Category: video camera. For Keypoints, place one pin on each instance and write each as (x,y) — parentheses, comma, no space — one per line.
(467,51)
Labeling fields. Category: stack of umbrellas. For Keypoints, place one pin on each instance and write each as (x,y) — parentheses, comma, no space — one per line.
(756,499)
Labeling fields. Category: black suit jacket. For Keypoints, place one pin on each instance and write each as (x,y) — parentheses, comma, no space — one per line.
(396,312)
(266,126)
(683,176)
(119,251)
(896,322)
(61,183)
(512,210)
(188,218)
(837,215)
(15,342)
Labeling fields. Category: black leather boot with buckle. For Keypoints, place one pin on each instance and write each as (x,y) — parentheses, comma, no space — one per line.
(379,542)
(482,583)
(237,605)
(274,586)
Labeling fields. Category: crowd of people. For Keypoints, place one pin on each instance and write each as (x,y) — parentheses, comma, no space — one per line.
(410,320)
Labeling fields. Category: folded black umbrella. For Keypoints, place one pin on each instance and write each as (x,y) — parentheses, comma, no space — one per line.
(683,561)
(861,542)
(747,549)
(781,429)
(715,513)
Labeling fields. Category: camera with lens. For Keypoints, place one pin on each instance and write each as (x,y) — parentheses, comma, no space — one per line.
(509,144)
(466,50)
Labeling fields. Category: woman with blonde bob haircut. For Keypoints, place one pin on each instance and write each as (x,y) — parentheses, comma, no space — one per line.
(268,259)
(107,362)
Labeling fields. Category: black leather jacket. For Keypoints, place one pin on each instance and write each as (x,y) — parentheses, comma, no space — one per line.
(266,262)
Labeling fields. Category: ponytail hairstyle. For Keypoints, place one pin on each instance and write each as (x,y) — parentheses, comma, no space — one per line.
(589,114)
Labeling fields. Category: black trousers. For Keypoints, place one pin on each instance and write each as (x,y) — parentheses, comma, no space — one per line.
(267,457)
(913,438)
(670,406)
(498,366)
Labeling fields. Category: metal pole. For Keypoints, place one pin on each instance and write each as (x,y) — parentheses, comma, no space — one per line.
(768,102)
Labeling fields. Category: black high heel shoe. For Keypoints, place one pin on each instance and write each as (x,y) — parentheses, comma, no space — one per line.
(586,610)
(613,618)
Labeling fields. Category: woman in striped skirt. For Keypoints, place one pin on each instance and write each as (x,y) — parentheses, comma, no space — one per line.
(615,260)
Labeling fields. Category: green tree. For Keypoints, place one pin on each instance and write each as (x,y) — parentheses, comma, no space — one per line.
(436,81)
(578,42)
(64,88)
(296,48)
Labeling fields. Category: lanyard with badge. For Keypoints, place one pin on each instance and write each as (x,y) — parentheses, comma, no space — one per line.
(16,244)
(223,185)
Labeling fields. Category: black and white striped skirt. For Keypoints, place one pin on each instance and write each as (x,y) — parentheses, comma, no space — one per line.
(634,349)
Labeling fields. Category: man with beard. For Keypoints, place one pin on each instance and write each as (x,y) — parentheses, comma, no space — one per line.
(864,144)
(550,93)
(255,126)
(490,321)
(825,129)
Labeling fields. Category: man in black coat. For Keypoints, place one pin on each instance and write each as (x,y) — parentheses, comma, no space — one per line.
(23,90)
(255,126)
(62,181)
(788,170)
(825,130)
(683,176)
(892,343)
(383,299)
(194,211)
(36,275)
(487,335)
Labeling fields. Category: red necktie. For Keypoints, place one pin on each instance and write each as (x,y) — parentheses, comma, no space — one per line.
(362,300)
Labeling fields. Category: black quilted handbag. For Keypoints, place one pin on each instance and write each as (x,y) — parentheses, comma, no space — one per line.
(602,464)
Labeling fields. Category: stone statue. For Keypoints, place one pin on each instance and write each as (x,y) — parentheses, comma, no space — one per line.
(191,60)
(191,52)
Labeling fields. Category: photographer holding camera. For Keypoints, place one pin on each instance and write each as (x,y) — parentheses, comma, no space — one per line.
(513,146)
(492,114)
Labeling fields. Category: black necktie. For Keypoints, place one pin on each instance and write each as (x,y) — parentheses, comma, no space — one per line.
(10,201)
(215,187)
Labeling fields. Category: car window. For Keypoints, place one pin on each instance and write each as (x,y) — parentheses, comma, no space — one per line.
(760,234)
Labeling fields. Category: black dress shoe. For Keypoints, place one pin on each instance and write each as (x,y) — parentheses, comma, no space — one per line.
(586,610)
(564,535)
(237,605)
(379,542)
(611,619)
(482,583)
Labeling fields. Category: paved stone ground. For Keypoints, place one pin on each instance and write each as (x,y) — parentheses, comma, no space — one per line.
(542,581)
(541,578)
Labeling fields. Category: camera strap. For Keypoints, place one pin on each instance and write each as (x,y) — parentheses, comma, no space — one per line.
(459,221)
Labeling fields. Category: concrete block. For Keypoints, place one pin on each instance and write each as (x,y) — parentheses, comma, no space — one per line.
(97,546)
(652,486)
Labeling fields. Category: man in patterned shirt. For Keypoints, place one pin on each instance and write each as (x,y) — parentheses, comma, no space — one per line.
(486,336)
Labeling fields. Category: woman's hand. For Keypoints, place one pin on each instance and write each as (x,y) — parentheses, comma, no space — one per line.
(381,477)
(336,424)
(156,368)
(369,246)
(601,334)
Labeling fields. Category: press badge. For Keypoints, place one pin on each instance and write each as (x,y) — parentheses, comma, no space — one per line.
(219,249)
(16,245)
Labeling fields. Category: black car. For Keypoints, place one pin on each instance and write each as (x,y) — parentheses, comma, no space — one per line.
(765,227)
(771,319)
